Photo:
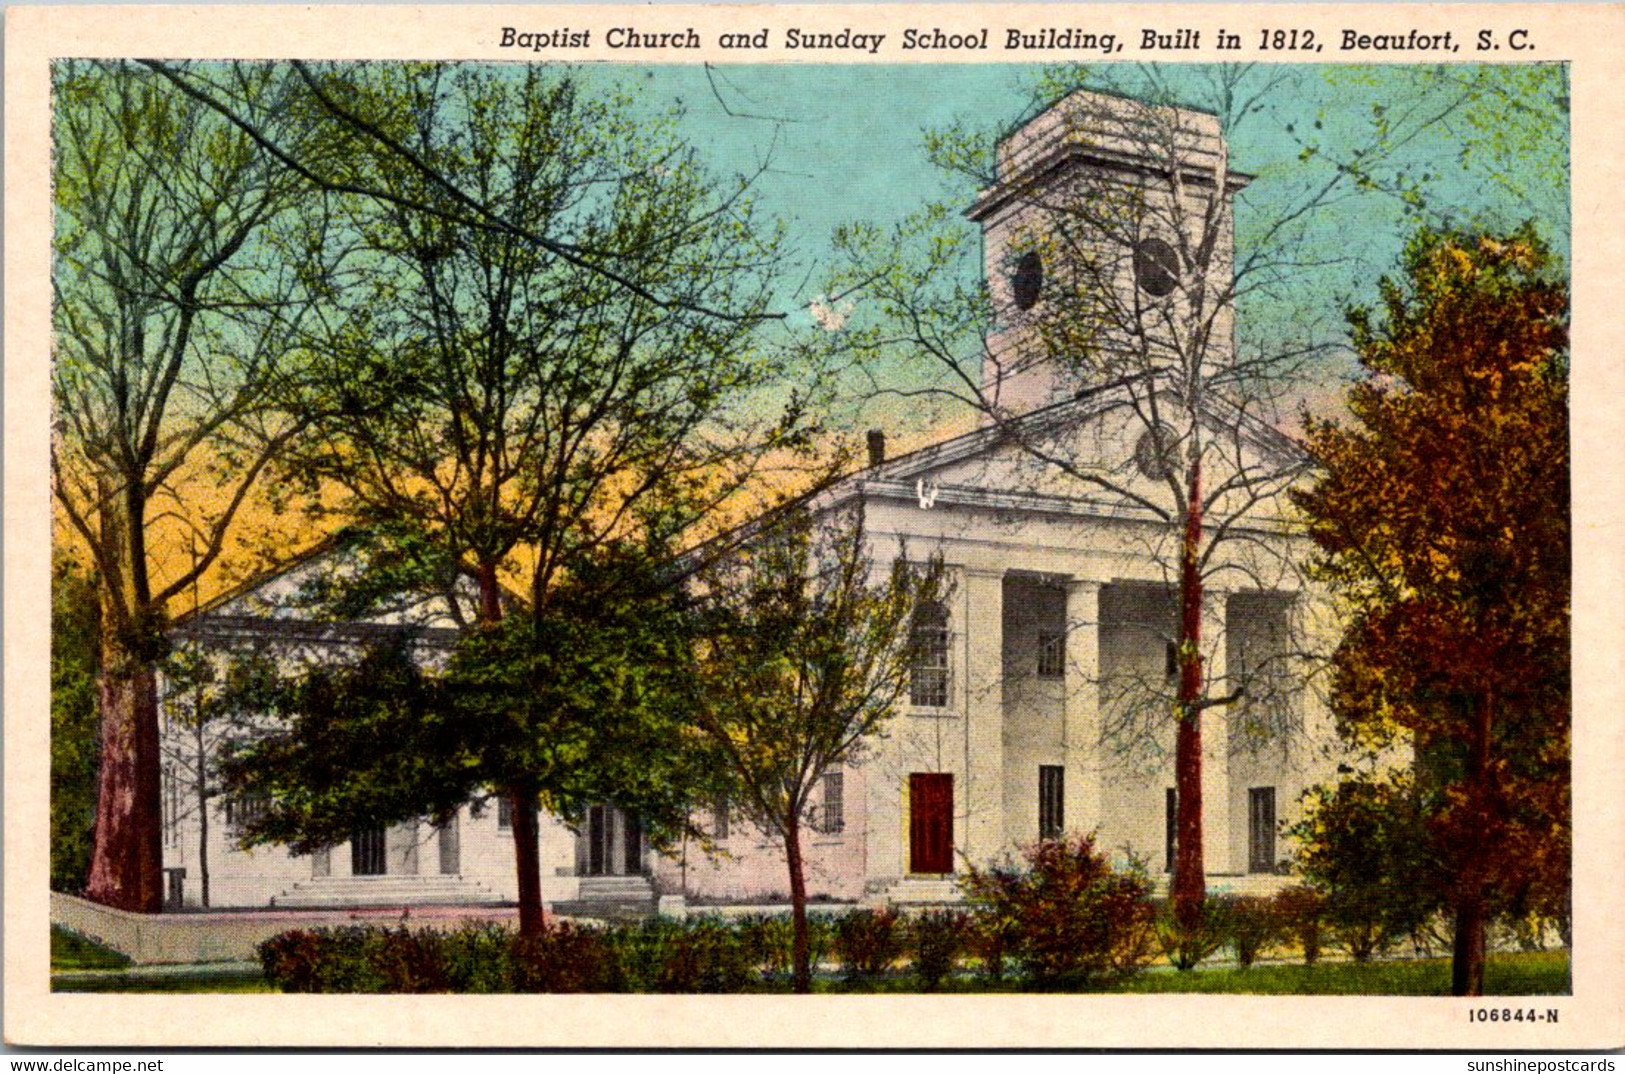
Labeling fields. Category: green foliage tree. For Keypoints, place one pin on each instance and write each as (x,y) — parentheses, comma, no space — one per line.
(177,292)
(1442,515)
(807,652)
(581,703)
(502,407)
(1365,845)
(74,755)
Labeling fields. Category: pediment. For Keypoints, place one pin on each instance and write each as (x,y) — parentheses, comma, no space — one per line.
(295,594)
(1093,455)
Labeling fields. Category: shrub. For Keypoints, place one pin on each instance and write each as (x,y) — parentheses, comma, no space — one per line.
(1251,925)
(321,960)
(868,942)
(1067,916)
(820,936)
(1366,848)
(989,939)
(408,962)
(769,940)
(476,959)
(567,958)
(479,960)
(1299,910)
(1189,946)
(937,938)
(706,955)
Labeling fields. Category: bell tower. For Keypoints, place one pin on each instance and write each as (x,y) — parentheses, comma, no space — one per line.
(1108,246)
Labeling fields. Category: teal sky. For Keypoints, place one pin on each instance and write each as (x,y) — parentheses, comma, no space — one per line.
(845,143)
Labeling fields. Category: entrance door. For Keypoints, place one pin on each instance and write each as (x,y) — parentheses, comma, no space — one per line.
(614,843)
(931,822)
(1261,830)
(367,852)
(450,847)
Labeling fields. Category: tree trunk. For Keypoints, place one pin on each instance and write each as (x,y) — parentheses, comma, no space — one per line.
(202,810)
(527,859)
(126,860)
(490,594)
(801,953)
(1467,955)
(1189,885)
(521,793)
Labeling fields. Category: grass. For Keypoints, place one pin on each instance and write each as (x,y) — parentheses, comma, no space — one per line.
(85,966)
(234,981)
(70,951)
(1540,973)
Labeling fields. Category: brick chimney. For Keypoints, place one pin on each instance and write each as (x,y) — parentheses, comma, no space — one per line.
(877,447)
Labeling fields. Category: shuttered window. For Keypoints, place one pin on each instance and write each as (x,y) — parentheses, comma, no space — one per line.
(1051,801)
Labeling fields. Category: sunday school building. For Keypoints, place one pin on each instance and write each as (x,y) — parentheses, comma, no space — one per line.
(1039,704)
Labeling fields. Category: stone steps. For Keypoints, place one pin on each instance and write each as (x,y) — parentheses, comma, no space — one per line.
(918,891)
(385,891)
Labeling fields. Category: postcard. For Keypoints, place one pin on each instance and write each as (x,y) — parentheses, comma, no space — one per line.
(827,526)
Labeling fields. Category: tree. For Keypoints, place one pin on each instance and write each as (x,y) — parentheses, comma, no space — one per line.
(177,289)
(206,716)
(73,722)
(1120,275)
(1442,516)
(581,703)
(1365,845)
(501,410)
(805,657)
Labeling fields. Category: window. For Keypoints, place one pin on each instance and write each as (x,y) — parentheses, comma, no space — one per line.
(928,678)
(1051,655)
(1170,661)
(1171,811)
(242,810)
(172,808)
(1261,829)
(832,817)
(1051,801)
(1027,281)
(505,813)
(1156,267)
(719,818)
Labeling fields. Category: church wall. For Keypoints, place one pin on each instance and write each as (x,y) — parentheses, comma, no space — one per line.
(1033,704)
(750,863)
(1137,755)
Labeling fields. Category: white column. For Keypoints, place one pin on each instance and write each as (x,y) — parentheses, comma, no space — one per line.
(1081,707)
(1216,819)
(981,799)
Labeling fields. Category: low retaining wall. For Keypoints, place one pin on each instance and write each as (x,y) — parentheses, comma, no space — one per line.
(230,936)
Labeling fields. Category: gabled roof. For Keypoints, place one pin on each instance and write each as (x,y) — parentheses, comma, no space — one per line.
(1087,404)
(899,478)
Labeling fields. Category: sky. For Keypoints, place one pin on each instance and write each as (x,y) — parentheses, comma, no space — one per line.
(845,143)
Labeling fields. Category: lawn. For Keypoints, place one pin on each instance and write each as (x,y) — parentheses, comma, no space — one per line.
(1540,973)
(1543,973)
(75,962)
(70,951)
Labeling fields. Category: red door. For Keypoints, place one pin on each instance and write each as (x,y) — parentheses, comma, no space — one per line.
(931,822)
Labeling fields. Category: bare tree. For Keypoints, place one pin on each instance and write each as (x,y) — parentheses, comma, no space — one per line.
(807,655)
(177,297)
(1112,276)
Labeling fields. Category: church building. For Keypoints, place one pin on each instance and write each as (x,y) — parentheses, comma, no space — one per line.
(1041,702)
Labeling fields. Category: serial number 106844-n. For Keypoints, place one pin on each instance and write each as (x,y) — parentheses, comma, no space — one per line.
(1511,1014)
